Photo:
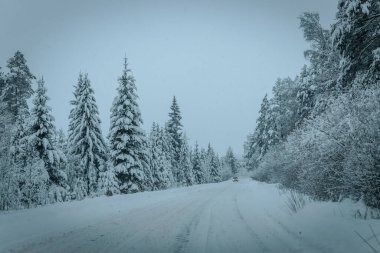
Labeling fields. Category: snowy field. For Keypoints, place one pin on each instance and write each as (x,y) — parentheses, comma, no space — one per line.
(246,216)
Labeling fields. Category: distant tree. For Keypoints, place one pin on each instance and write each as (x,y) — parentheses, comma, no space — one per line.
(214,166)
(174,129)
(18,85)
(205,165)
(2,83)
(197,169)
(231,161)
(266,134)
(127,140)
(159,164)
(185,163)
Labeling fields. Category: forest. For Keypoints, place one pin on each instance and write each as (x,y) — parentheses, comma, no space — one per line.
(40,164)
(319,133)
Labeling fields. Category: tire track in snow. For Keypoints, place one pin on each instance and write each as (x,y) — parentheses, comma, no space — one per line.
(311,244)
(251,232)
(183,238)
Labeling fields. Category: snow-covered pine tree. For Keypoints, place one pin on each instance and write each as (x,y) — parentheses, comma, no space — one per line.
(231,161)
(196,162)
(127,140)
(41,139)
(18,85)
(265,134)
(250,152)
(185,163)
(9,182)
(205,165)
(174,128)
(159,165)
(61,141)
(86,140)
(214,167)
(107,183)
(356,37)
(2,83)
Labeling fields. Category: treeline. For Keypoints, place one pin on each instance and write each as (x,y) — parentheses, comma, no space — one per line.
(40,165)
(320,132)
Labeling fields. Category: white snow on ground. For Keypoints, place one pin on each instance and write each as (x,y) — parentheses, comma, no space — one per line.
(246,216)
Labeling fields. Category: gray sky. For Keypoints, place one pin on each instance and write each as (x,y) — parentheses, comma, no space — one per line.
(218,58)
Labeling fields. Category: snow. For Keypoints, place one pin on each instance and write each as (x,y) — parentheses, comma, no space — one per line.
(246,216)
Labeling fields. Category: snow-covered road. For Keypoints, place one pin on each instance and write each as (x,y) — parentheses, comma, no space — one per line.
(246,216)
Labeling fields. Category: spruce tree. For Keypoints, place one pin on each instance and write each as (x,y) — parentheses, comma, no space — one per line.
(213,164)
(86,140)
(356,37)
(42,134)
(107,183)
(127,140)
(174,128)
(197,169)
(185,163)
(231,161)
(2,84)
(18,85)
(159,165)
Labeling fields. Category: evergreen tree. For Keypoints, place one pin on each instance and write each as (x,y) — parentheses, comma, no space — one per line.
(61,141)
(250,152)
(17,88)
(107,183)
(265,135)
(356,37)
(127,140)
(205,165)
(2,83)
(213,164)
(174,128)
(185,163)
(197,169)
(41,136)
(317,82)
(86,140)
(231,161)
(159,165)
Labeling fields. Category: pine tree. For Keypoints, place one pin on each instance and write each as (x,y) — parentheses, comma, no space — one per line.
(86,140)
(185,163)
(41,136)
(214,166)
(174,128)
(17,88)
(231,161)
(107,183)
(159,164)
(356,37)
(127,140)
(2,83)
(61,141)
(205,166)
(265,135)
(197,169)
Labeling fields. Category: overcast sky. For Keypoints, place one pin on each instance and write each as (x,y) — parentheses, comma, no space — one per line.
(218,58)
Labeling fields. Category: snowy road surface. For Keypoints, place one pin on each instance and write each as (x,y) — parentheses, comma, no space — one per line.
(246,216)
